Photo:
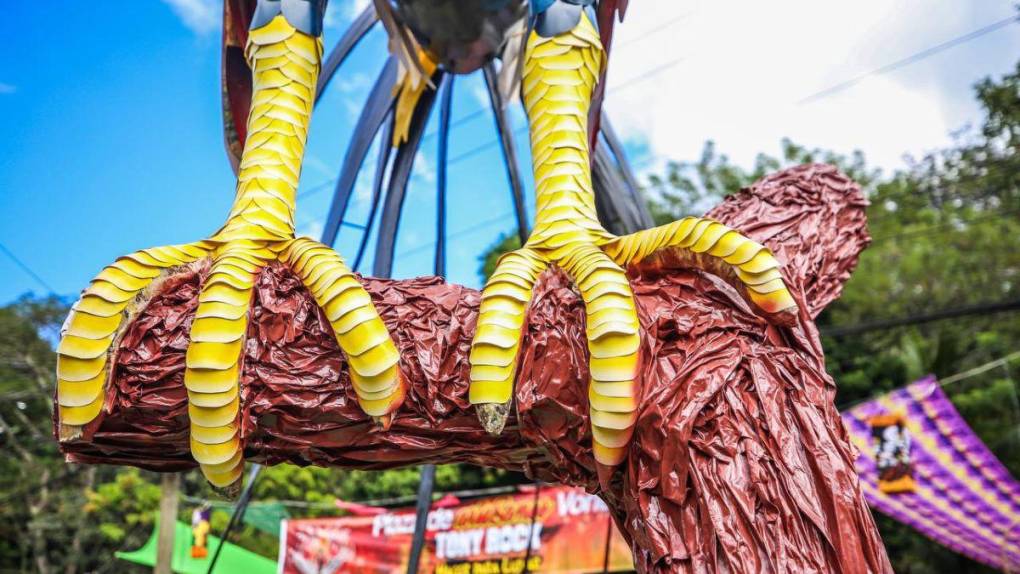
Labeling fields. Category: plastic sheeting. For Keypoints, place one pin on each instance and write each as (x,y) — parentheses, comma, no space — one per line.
(740,462)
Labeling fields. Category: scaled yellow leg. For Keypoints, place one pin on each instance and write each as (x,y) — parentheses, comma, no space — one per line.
(749,265)
(497,341)
(613,342)
(212,376)
(95,323)
(360,332)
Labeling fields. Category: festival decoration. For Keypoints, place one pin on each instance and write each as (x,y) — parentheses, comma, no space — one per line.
(958,494)
(562,531)
(200,528)
(675,371)
(233,558)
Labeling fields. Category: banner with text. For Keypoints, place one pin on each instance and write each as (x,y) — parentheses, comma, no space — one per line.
(565,532)
(922,465)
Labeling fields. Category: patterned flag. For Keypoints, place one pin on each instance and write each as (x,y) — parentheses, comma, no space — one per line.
(922,465)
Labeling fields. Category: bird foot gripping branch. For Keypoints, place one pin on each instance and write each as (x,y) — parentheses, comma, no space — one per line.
(284,52)
(563,62)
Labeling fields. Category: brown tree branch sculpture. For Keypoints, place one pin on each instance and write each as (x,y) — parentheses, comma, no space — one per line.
(739,461)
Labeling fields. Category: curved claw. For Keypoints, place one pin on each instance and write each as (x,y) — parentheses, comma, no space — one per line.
(496,344)
(613,341)
(95,324)
(359,330)
(709,245)
(213,360)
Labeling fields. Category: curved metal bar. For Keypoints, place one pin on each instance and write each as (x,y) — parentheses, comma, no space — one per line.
(380,101)
(397,188)
(380,176)
(421,513)
(357,30)
(616,147)
(614,205)
(506,140)
(445,106)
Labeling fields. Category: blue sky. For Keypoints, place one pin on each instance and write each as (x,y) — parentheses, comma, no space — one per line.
(112,123)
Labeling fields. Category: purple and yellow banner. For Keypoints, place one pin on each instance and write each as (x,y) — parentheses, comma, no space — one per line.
(922,465)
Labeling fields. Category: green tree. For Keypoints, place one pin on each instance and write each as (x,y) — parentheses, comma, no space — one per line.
(946,234)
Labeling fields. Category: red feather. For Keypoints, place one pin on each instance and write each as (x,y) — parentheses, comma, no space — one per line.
(608,13)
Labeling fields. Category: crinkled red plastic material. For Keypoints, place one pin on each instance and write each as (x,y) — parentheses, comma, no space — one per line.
(739,462)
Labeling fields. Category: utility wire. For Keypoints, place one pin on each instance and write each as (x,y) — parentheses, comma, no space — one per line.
(479,112)
(945,382)
(980,369)
(459,232)
(934,229)
(926,53)
(24,267)
(990,308)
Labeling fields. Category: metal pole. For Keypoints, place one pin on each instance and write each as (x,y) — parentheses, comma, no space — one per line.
(445,107)
(425,489)
(609,537)
(506,140)
(531,530)
(171,483)
(237,515)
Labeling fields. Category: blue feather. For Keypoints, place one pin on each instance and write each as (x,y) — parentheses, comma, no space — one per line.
(539,6)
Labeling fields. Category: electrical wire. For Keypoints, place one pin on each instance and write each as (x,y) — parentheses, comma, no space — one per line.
(946,381)
(24,267)
(913,58)
(989,308)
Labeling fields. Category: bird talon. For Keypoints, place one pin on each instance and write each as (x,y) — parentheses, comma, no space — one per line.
(258,230)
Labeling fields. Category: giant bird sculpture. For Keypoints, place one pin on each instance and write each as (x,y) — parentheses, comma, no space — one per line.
(561,65)
(676,371)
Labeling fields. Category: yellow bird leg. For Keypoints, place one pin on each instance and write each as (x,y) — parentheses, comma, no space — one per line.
(94,326)
(744,263)
(259,229)
(559,77)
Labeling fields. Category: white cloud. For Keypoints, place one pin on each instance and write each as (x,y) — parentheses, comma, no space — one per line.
(341,12)
(355,7)
(316,164)
(424,168)
(481,95)
(354,83)
(734,72)
(312,229)
(201,16)
(7,88)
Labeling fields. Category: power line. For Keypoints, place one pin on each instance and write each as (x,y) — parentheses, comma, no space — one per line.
(646,75)
(926,53)
(651,31)
(980,369)
(26,269)
(968,310)
(317,188)
(459,232)
(934,229)
(471,116)
(944,382)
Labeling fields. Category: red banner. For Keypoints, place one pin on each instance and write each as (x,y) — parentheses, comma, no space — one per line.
(566,532)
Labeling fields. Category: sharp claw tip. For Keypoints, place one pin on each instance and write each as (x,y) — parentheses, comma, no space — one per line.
(493,417)
(69,433)
(230,492)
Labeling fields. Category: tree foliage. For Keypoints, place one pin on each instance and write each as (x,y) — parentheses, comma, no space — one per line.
(946,235)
